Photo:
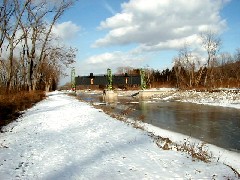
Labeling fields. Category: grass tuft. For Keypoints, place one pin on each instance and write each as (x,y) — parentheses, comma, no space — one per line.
(196,150)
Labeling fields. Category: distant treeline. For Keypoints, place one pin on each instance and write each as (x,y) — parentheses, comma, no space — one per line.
(222,72)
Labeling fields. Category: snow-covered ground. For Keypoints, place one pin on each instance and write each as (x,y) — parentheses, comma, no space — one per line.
(63,138)
(222,98)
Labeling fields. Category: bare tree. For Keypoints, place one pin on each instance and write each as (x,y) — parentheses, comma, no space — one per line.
(7,10)
(124,69)
(58,8)
(54,63)
(185,67)
(3,73)
(33,28)
(10,35)
(222,70)
(237,60)
(211,43)
(27,25)
(37,34)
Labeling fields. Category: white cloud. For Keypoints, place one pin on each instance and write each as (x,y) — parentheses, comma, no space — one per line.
(161,24)
(109,8)
(173,44)
(66,30)
(99,63)
(119,20)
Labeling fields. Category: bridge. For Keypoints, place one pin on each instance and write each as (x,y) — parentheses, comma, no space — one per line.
(109,80)
(103,80)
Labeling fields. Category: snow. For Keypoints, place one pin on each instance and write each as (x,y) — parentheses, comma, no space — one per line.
(63,138)
(218,154)
(225,98)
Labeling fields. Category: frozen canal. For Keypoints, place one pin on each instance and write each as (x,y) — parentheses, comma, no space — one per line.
(215,125)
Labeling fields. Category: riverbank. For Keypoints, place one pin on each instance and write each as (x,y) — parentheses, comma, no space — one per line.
(219,97)
(229,98)
(62,138)
(225,97)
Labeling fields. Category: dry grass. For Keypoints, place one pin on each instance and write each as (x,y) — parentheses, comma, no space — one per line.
(12,104)
(196,150)
(141,118)
(125,112)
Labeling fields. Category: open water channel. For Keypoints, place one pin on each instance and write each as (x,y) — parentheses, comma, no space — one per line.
(212,124)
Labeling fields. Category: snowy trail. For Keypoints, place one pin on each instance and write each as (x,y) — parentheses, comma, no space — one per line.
(62,138)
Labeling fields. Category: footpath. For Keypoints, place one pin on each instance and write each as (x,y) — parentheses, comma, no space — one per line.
(63,138)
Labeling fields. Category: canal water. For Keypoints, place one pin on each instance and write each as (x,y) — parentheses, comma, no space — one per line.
(212,124)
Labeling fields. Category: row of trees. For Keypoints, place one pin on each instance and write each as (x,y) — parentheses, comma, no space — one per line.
(30,56)
(192,71)
(222,72)
(218,70)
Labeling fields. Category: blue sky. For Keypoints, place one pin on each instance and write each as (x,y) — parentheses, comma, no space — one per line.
(144,33)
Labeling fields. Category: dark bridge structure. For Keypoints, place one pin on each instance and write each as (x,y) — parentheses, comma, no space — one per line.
(124,80)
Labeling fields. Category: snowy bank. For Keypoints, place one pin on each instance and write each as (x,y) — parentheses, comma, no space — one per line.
(62,138)
(224,98)
(217,154)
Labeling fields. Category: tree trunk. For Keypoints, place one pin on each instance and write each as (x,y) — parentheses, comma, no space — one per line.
(10,74)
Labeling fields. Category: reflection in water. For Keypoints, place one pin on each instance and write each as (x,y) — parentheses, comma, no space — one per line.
(215,125)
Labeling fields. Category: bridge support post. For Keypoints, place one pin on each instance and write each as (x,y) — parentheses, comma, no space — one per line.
(109,95)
